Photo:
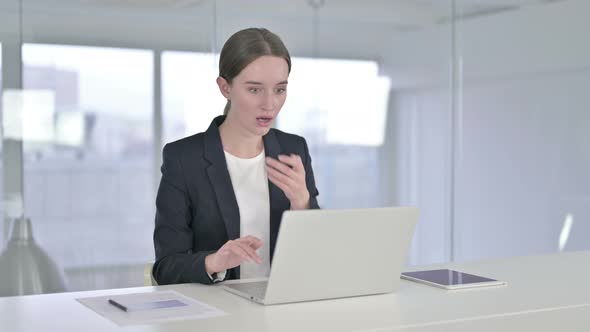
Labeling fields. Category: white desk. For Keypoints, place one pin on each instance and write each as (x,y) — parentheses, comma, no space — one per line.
(554,320)
(545,293)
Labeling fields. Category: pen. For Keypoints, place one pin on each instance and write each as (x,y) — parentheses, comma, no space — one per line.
(118,305)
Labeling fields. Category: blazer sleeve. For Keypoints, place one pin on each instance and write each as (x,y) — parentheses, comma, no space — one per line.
(309,179)
(173,234)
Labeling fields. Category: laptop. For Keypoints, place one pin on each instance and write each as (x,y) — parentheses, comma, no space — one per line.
(327,254)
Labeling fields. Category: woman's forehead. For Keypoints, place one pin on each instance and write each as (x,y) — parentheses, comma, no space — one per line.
(266,70)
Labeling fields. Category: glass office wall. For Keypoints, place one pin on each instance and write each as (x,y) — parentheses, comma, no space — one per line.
(87,157)
(464,109)
(523,185)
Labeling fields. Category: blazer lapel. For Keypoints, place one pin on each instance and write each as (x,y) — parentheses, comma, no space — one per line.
(273,149)
(278,200)
(220,179)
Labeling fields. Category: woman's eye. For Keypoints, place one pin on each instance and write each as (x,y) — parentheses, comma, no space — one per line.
(254,90)
(281,90)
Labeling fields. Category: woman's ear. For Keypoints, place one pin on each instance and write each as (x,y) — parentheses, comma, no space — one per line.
(224,87)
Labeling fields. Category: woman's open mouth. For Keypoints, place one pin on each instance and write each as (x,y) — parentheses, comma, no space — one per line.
(264,121)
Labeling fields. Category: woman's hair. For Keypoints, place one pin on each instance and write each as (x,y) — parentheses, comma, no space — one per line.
(245,46)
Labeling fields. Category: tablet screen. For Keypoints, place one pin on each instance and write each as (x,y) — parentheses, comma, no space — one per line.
(447,277)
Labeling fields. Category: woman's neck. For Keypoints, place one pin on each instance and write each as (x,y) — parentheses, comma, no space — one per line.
(238,142)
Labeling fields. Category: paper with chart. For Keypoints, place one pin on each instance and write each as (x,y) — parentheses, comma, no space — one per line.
(150,308)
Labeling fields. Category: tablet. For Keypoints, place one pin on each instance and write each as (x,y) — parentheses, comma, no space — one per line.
(450,279)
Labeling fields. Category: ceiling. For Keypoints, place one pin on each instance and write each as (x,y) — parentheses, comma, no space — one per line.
(406,14)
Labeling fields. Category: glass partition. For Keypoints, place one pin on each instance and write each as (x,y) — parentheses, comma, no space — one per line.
(523,185)
(88,156)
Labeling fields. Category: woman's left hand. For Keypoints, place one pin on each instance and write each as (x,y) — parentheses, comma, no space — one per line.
(288,173)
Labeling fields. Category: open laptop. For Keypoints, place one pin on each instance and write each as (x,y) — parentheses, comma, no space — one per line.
(326,254)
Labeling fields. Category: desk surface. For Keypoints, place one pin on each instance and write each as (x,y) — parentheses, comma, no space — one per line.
(543,292)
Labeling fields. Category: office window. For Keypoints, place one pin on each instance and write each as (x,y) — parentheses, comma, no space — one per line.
(190,95)
(88,176)
(336,102)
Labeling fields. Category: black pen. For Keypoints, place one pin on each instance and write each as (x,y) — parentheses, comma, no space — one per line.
(118,305)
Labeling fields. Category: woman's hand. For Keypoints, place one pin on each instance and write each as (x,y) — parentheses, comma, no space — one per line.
(288,173)
(234,253)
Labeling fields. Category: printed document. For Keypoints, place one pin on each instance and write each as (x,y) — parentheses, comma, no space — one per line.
(149,308)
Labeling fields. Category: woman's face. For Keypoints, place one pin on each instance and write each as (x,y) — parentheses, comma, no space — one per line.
(257,94)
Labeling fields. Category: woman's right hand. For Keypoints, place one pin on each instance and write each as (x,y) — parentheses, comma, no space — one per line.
(233,253)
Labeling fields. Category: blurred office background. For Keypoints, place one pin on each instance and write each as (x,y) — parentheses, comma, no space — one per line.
(476,111)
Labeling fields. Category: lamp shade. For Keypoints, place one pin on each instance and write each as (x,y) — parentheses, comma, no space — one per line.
(24,267)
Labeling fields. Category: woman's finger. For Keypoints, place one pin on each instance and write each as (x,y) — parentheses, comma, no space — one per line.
(252,241)
(237,250)
(294,161)
(280,167)
(252,255)
(287,180)
(284,187)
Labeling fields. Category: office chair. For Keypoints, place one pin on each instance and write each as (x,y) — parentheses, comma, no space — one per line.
(148,277)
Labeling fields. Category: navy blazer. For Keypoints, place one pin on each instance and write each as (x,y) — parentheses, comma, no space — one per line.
(196,208)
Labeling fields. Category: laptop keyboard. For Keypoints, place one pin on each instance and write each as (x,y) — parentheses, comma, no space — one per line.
(255,288)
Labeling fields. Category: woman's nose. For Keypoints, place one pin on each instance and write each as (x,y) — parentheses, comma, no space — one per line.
(270,102)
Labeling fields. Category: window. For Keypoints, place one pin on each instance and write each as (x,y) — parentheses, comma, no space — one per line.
(89,187)
(190,95)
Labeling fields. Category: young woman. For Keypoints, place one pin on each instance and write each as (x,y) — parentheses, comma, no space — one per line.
(223,191)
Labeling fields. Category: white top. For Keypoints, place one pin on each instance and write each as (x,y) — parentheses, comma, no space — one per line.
(250,183)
